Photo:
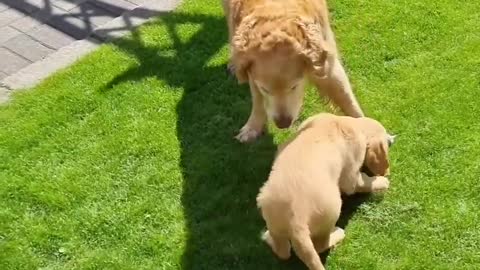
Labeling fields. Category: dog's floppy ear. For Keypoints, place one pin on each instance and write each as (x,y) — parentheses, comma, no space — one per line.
(241,64)
(316,48)
(240,46)
(376,156)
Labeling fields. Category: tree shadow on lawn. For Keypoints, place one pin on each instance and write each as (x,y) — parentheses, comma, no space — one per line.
(221,177)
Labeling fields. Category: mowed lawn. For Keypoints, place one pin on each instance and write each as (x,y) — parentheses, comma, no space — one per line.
(126,160)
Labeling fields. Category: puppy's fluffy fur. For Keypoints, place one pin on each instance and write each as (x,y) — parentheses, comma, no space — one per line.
(275,46)
(301,200)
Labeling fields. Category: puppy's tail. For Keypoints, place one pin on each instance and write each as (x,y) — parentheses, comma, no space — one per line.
(304,248)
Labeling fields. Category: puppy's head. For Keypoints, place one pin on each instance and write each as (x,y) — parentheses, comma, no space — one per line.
(274,56)
(378,142)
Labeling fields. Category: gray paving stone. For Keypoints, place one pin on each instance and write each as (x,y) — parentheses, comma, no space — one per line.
(136,2)
(11,62)
(7,33)
(27,47)
(67,5)
(36,72)
(117,7)
(121,25)
(21,73)
(3,7)
(50,36)
(132,19)
(26,23)
(9,15)
(26,6)
(80,21)
(92,13)
(78,28)
(36,19)
(4,95)
(159,7)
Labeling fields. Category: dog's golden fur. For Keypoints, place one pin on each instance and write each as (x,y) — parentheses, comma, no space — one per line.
(275,46)
(301,200)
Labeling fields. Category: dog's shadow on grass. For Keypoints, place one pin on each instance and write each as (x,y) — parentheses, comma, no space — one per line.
(221,177)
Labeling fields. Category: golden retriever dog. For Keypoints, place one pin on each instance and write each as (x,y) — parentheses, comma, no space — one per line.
(275,46)
(301,200)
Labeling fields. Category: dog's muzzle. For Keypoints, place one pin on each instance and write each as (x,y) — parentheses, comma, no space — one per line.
(283,121)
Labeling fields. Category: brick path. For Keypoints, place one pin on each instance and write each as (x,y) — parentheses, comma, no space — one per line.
(32,30)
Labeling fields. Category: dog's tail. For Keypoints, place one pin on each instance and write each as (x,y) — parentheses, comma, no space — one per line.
(304,248)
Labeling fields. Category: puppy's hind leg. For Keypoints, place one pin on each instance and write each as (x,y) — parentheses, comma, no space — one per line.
(280,244)
(304,248)
(322,243)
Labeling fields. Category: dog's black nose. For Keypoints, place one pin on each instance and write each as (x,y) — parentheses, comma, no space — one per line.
(283,121)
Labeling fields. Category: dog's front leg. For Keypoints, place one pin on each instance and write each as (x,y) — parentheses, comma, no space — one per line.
(257,120)
(336,86)
(367,184)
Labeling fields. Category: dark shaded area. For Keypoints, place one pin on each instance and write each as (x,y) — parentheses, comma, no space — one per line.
(350,206)
(221,176)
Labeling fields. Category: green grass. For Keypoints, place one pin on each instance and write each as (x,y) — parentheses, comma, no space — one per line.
(126,160)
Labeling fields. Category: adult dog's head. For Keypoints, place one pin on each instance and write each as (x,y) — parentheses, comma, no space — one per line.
(274,54)
(378,142)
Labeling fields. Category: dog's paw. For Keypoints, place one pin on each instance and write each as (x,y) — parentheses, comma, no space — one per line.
(230,70)
(248,134)
(380,184)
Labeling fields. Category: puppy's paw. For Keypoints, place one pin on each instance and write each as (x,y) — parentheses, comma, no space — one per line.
(249,134)
(380,184)
(336,237)
(282,250)
(267,238)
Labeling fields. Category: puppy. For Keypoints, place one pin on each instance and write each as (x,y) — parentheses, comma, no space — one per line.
(301,201)
(277,45)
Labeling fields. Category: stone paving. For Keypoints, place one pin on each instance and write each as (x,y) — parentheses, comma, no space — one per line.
(32,30)
(38,37)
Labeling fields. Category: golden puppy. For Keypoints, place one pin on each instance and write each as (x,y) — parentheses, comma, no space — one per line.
(301,200)
(275,45)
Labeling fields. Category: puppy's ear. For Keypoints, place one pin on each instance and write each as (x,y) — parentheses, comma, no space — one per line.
(316,49)
(376,156)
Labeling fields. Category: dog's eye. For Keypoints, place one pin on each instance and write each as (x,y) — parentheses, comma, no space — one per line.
(294,87)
